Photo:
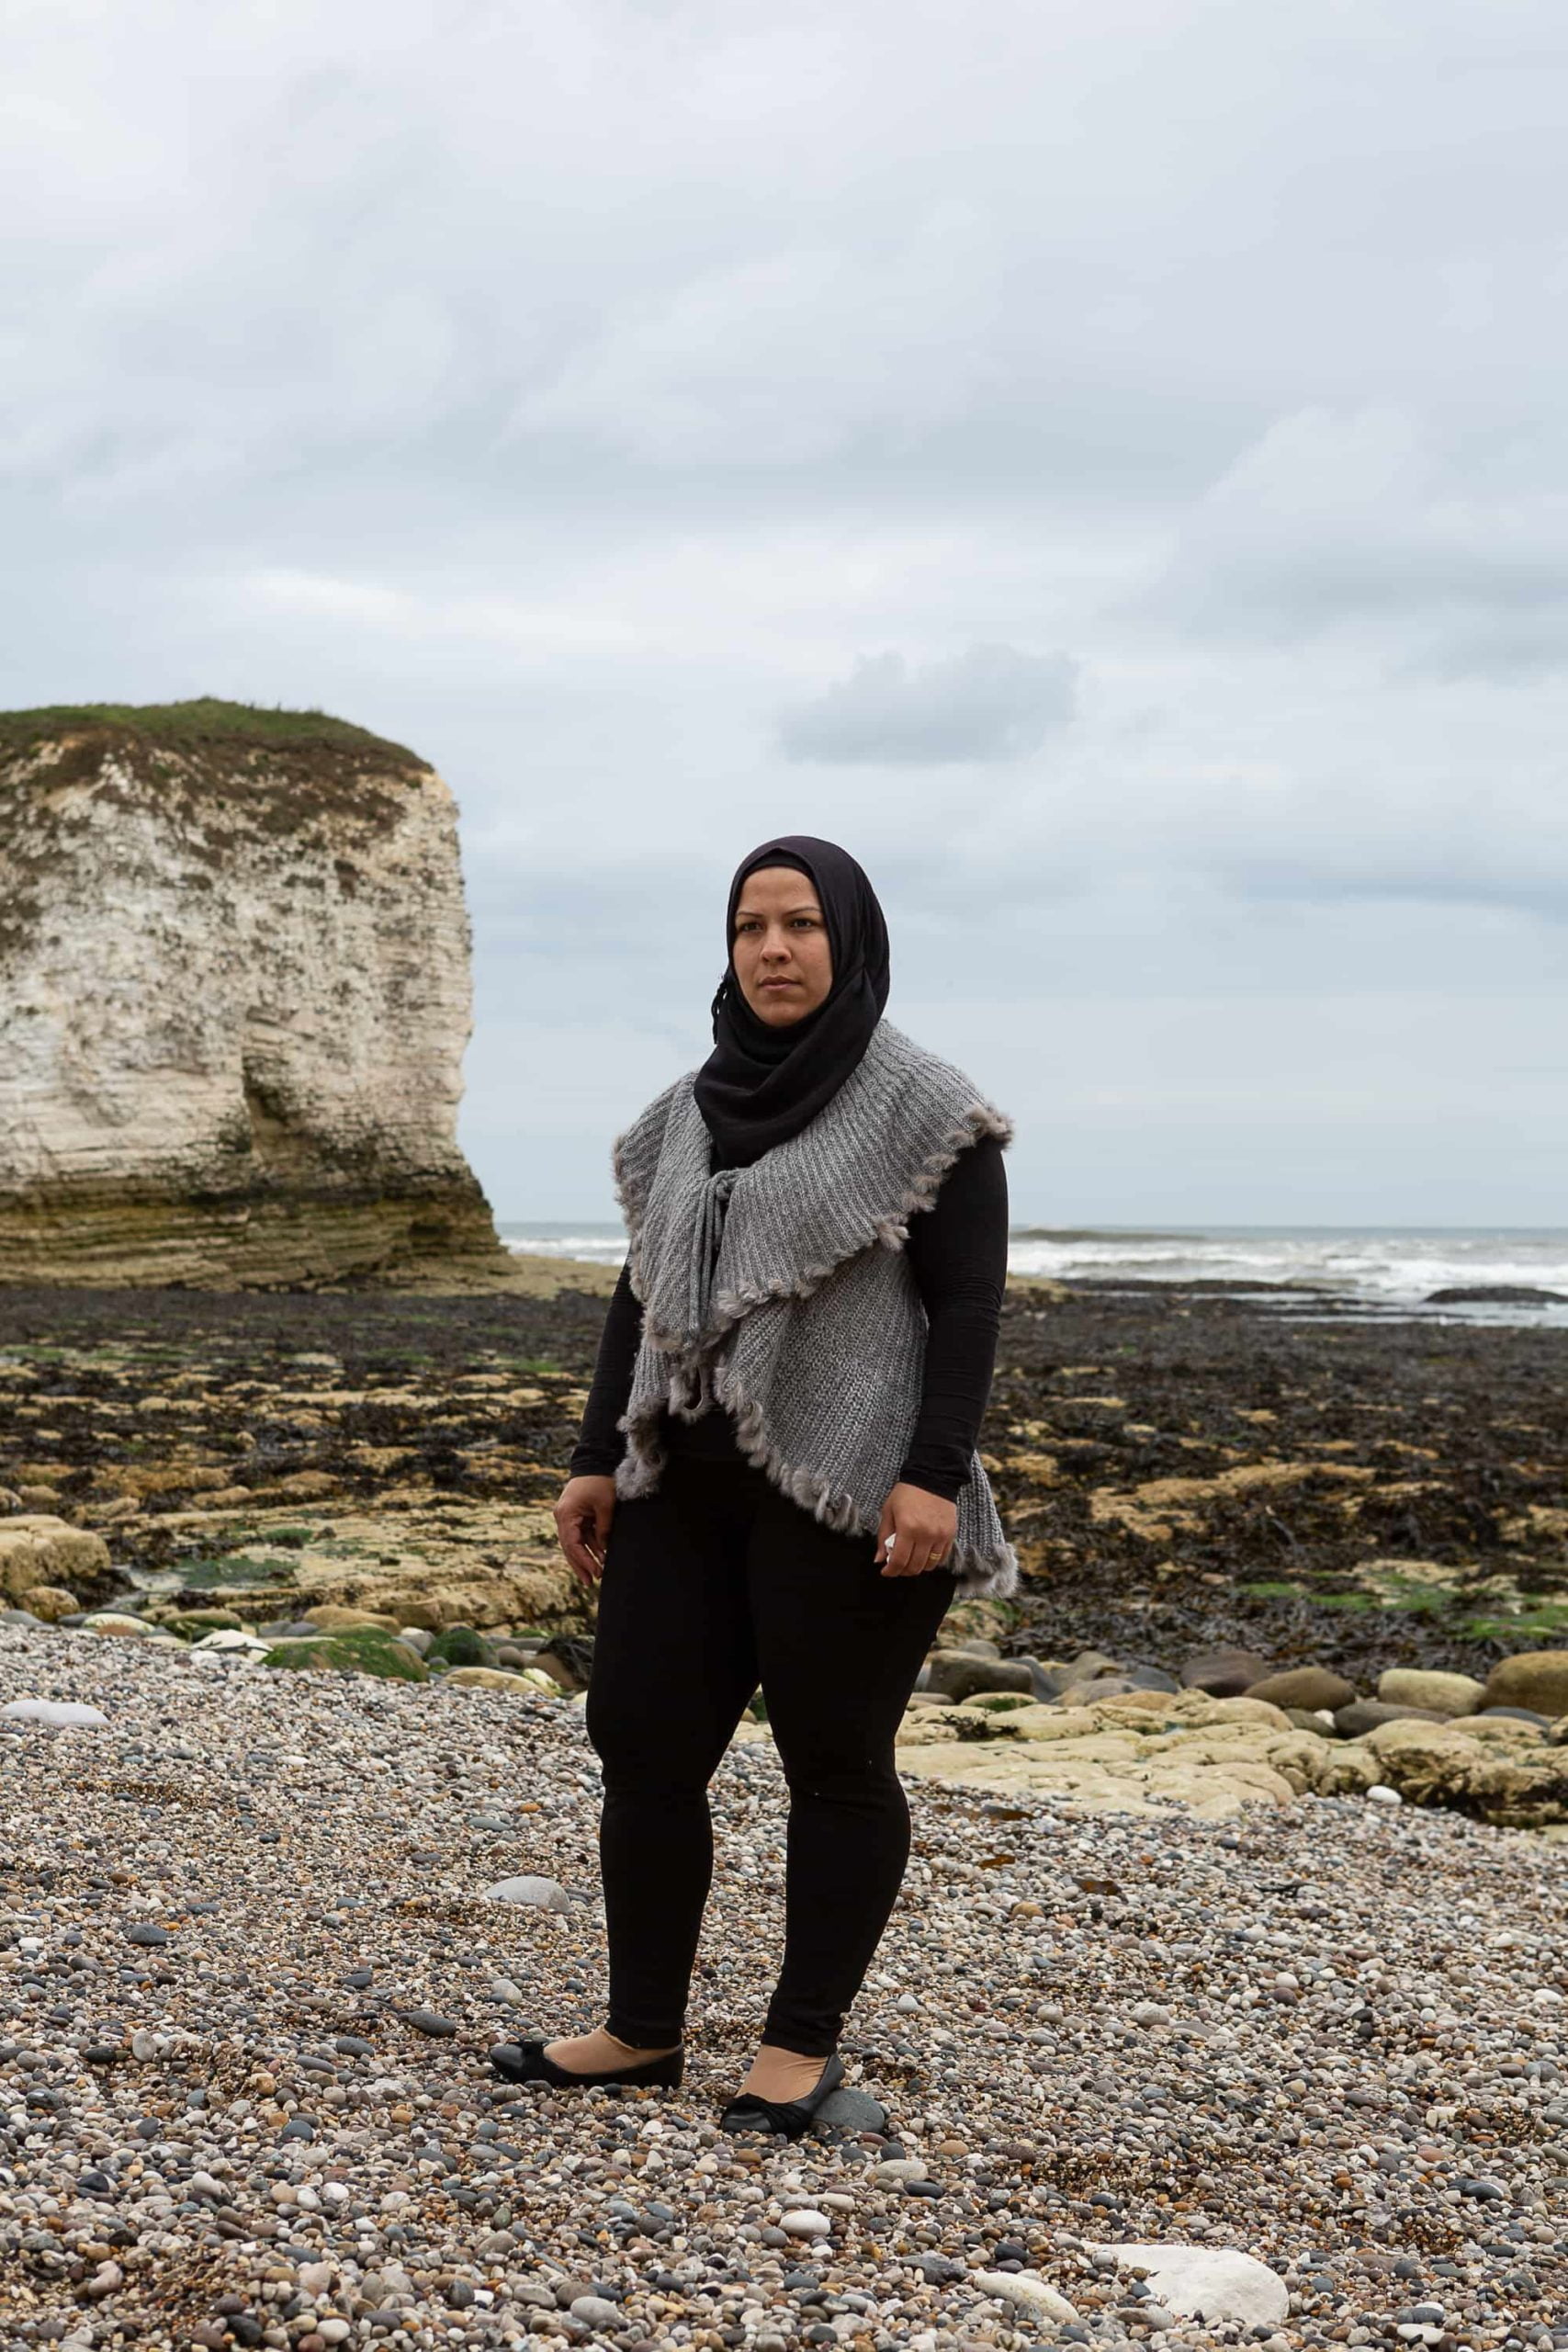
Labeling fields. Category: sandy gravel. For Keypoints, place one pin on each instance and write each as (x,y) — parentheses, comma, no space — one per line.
(1333,2038)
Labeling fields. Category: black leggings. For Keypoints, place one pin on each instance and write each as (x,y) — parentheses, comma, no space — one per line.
(711,1585)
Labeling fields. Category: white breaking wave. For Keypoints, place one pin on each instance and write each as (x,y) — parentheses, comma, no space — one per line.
(1371,1267)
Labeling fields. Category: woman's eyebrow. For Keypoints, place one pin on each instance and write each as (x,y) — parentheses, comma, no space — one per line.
(805,907)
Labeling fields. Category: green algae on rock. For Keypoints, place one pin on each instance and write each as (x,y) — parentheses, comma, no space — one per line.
(360,1650)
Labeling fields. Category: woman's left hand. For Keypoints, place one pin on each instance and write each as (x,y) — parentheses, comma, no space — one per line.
(922,1526)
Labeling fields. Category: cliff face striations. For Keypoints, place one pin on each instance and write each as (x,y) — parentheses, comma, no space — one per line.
(234,997)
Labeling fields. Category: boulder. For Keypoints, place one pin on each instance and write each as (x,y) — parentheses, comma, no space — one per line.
(496,1678)
(1534,1679)
(1098,1687)
(1207,2282)
(333,1617)
(568,1660)
(1224,1672)
(1305,1686)
(52,1603)
(37,1548)
(192,1624)
(1364,1715)
(1441,1694)
(1499,1771)
(956,1674)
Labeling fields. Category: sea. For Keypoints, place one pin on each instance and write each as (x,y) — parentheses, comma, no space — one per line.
(1369,1270)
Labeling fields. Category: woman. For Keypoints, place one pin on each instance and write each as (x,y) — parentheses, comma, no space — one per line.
(776,1477)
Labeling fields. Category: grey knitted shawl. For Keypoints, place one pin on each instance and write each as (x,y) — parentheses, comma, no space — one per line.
(782,1291)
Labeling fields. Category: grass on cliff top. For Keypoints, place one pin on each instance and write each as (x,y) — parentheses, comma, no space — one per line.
(204,723)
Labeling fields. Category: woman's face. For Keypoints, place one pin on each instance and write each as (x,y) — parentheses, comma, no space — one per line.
(780,951)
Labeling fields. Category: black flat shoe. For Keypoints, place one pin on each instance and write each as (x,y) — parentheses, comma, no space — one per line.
(524,2062)
(790,2116)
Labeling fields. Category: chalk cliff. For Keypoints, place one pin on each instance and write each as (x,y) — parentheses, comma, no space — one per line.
(234,997)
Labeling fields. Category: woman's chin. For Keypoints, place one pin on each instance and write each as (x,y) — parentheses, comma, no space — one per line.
(781,1013)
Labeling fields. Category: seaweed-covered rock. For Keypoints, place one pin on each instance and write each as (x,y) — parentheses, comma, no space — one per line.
(362,1650)
(459,1646)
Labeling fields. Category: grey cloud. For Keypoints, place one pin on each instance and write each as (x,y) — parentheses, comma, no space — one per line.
(992,703)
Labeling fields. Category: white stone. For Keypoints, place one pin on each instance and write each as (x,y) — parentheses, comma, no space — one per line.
(1380,1794)
(902,2168)
(231,1639)
(542,1894)
(501,1988)
(315,2278)
(1208,2283)
(333,2330)
(60,1714)
(1022,2287)
(802,2223)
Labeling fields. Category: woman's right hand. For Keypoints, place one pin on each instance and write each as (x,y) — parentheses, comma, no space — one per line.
(582,1522)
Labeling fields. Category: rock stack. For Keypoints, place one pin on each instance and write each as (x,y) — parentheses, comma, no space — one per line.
(234,997)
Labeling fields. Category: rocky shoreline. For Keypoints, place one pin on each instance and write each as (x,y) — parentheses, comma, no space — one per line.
(1207,2013)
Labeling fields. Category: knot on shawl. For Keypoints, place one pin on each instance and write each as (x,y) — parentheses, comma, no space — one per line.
(691,1375)
(707,1233)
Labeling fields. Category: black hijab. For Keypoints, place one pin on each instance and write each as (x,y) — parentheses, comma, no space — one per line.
(761,1085)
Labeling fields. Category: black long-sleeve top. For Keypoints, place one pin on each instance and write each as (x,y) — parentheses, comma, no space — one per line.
(957,1251)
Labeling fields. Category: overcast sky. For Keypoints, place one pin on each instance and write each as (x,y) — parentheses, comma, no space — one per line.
(1109,467)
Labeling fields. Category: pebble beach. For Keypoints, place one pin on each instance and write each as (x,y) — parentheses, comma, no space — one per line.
(250,1972)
